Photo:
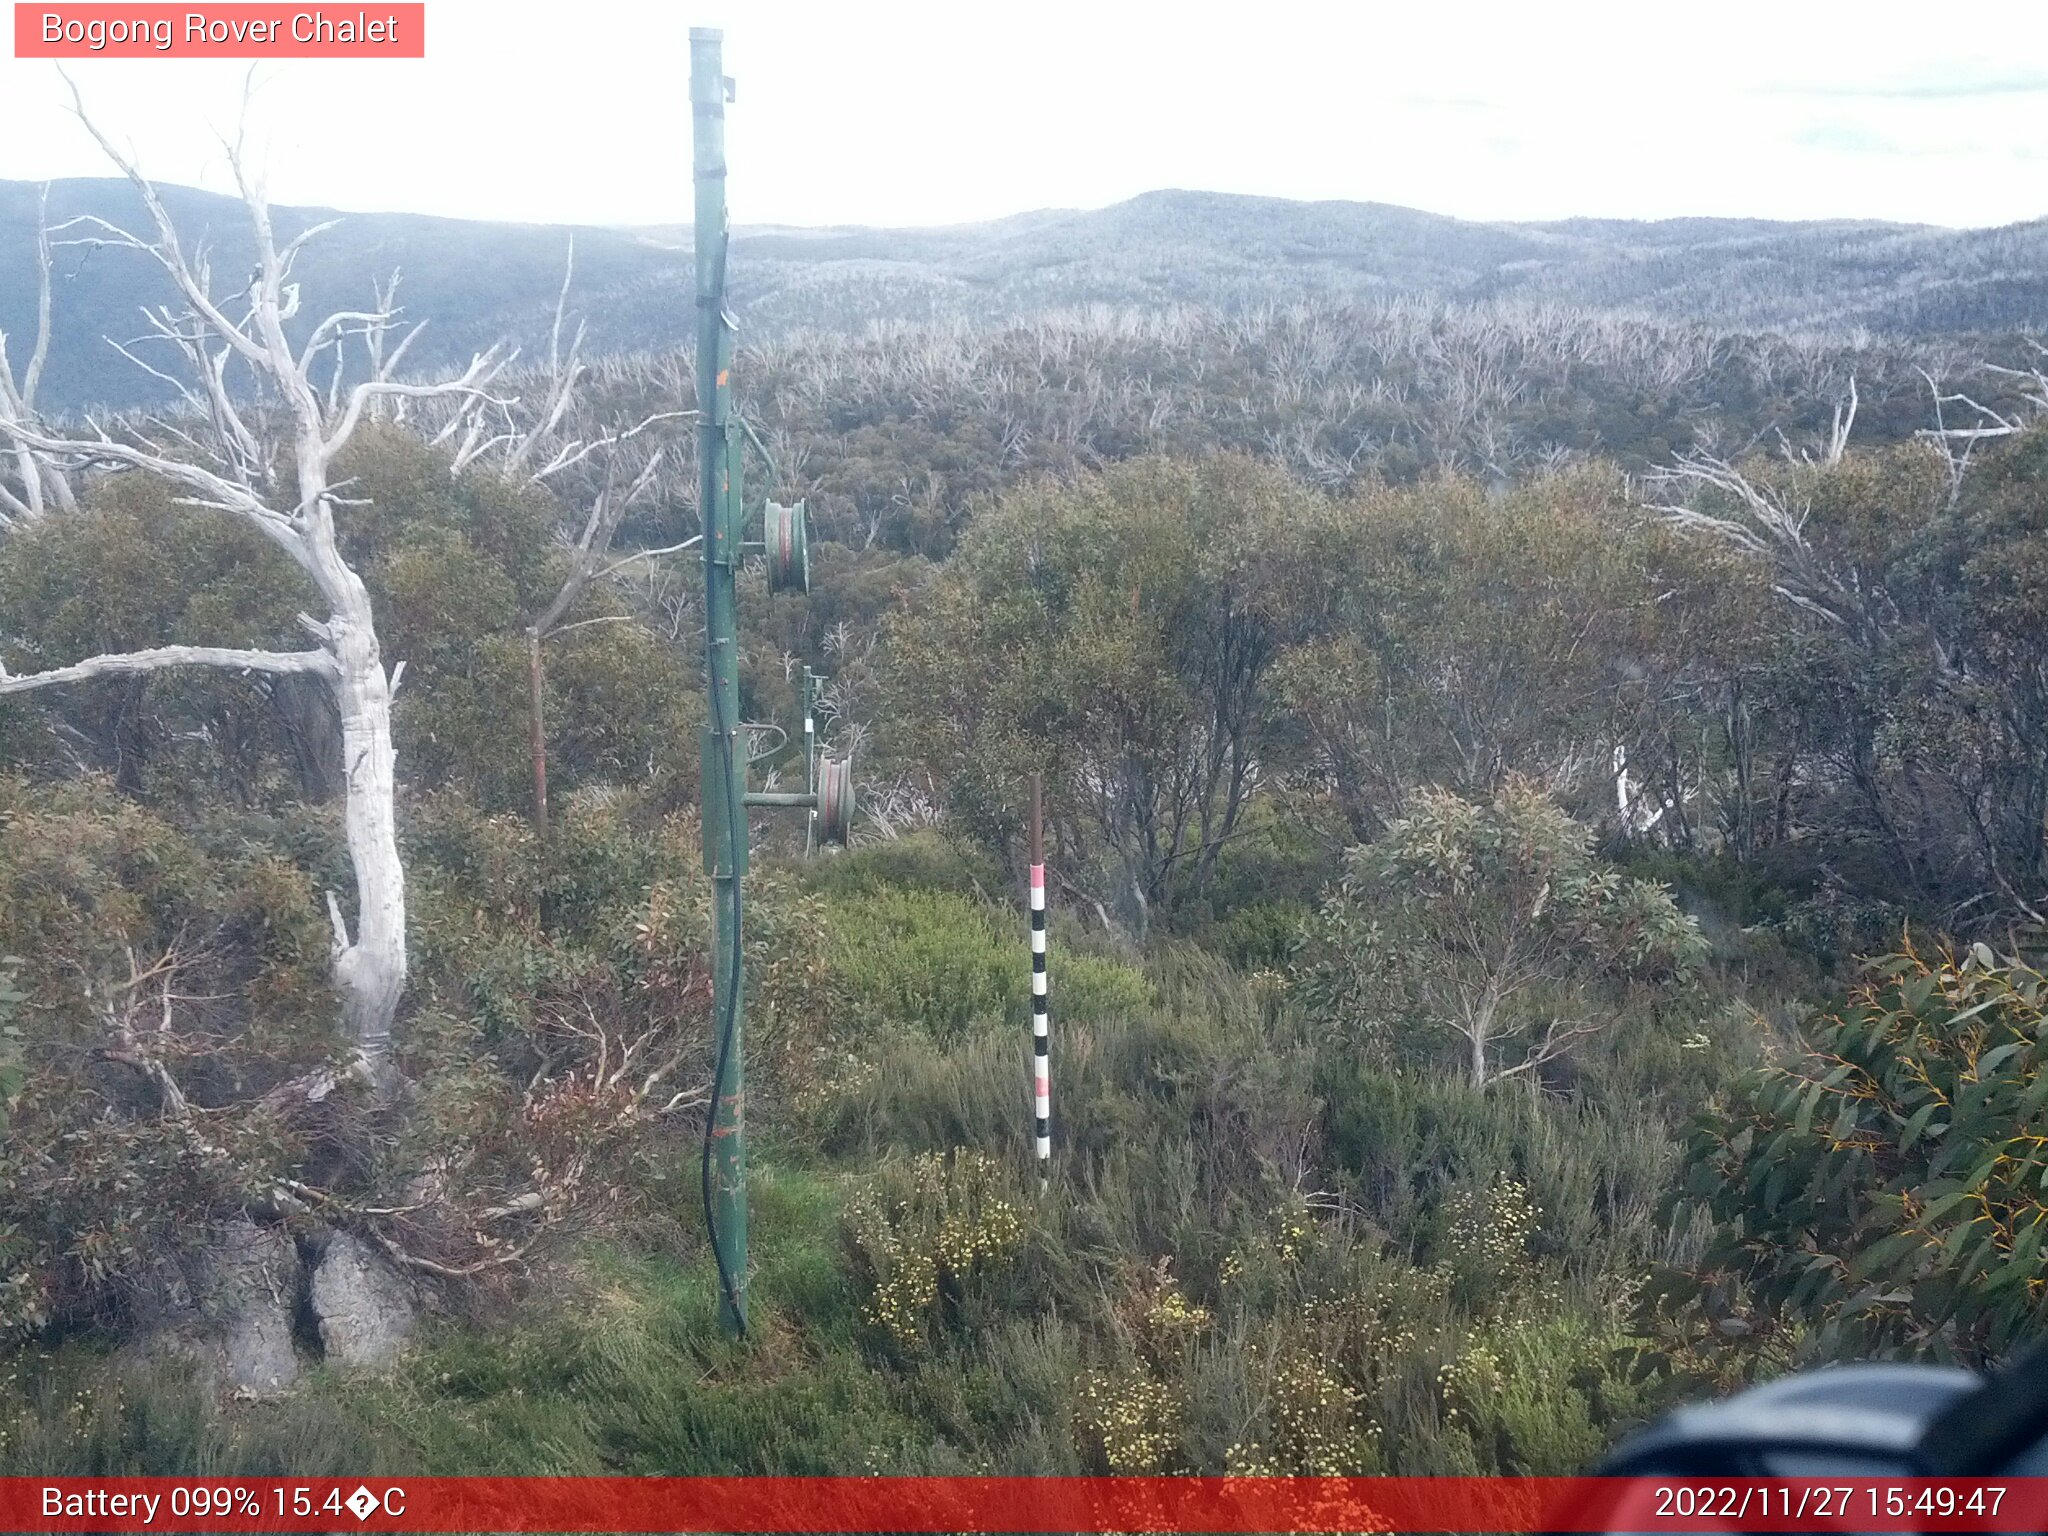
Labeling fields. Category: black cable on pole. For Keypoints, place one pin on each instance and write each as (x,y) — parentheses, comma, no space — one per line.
(729,1004)
(730,1009)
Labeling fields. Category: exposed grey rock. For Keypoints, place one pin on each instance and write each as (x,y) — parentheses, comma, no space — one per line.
(252,1278)
(229,1310)
(365,1308)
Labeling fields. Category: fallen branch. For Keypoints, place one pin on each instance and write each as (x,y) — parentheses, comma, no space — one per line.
(450,1271)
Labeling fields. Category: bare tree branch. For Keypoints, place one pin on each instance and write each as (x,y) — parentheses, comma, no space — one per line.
(40,483)
(159,658)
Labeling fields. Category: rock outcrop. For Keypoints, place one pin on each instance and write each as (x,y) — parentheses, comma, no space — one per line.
(229,1308)
(365,1308)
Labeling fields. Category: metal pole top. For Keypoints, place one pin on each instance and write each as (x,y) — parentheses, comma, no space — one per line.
(706,34)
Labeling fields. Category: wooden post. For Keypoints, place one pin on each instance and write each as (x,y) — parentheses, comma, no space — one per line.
(534,683)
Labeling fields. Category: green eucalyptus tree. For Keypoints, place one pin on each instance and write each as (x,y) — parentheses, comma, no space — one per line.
(1492,922)
(1118,633)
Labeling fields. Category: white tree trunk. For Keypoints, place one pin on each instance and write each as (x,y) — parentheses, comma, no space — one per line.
(1479,1031)
(371,970)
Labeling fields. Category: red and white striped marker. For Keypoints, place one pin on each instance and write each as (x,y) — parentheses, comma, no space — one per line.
(1041,1036)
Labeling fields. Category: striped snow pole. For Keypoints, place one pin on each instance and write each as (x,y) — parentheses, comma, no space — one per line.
(1041,1037)
(811,757)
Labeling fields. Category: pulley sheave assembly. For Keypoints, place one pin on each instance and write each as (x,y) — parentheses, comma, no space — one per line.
(829,795)
(835,800)
(785,539)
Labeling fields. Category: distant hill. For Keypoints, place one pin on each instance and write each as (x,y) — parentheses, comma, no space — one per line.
(477,282)
(473,282)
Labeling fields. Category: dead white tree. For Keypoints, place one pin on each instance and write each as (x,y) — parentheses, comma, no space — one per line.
(233,351)
(1845,423)
(1723,502)
(37,485)
(588,465)
(1958,442)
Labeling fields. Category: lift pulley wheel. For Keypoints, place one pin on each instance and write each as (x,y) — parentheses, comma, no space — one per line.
(785,534)
(835,800)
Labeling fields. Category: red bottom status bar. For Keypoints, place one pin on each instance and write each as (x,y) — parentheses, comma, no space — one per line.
(977,1504)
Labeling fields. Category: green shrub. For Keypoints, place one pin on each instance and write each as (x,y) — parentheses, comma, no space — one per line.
(1487,935)
(931,961)
(1261,936)
(1401,1142)
(920,1235)
(132,569)
(1540,1396)
(1885,1190)
(917,861)
(1093,987)
(941,964)
(164,987)
(1129,1422)
(546,968)
(1484,1234)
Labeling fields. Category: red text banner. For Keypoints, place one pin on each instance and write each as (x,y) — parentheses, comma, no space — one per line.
(227,31)
(992,1504)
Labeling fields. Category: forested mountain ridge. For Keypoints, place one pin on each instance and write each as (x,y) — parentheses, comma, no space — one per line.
(482,281)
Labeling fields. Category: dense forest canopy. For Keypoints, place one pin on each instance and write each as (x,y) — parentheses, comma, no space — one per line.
(1545,802)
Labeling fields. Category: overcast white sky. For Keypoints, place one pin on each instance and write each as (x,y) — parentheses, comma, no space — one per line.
(897,112)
